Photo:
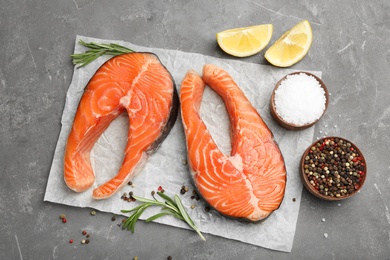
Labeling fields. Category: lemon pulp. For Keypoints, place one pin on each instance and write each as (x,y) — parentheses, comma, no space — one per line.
(292,46)
(245,41)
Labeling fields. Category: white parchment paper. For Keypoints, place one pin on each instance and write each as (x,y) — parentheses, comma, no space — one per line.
(166,167)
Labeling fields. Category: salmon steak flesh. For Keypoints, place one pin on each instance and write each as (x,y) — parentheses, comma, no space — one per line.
(135,83)
(249,183)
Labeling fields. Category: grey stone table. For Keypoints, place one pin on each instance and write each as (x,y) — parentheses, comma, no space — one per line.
(351,48)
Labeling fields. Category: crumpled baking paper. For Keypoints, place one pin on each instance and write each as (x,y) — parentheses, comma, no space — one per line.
(167,167)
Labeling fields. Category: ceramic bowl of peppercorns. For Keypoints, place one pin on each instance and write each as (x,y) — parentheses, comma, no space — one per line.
(333,168)
(299,100)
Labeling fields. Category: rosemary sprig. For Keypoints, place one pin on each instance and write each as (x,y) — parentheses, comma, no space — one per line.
(173,207)
(96,50)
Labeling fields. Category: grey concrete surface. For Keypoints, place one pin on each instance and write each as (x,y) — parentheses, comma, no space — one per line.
(351,47)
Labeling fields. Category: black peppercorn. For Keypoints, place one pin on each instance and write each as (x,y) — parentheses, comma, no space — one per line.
(334,167)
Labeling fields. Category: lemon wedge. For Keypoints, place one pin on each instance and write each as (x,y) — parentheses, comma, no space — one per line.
(292,46)
(245,41)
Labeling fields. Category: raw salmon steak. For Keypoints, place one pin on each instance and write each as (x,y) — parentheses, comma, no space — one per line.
(250,182)
(136,83)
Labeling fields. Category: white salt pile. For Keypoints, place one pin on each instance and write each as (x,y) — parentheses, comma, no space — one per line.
(300,99)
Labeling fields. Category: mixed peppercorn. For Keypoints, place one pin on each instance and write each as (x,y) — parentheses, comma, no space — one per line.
(334,167)
(84,232)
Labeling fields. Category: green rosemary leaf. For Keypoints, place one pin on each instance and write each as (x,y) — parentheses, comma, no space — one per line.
(172,207)
(144,200)
(121,48)
(168,199)
(131,210)
(137,214)
(126,224)
(187,217)
(154,217)
(129,224)
(174,213)
(183,211)
(170,203)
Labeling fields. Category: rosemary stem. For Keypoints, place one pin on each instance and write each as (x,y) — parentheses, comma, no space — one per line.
(96,50)
(171,206)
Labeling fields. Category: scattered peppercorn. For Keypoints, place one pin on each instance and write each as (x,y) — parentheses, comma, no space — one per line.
(87,241)
(184,189)
(62,216)
(334,167)
(135,258)
(207,208)
(83,241)
(71,241)
(84,232)
(169,257)
(130,198)
(88,235)
(294,199)
(93,213)
(113,218)
(130,183)
(64,220)
(195,195)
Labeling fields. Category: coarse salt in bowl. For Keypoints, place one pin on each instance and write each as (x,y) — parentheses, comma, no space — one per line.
(299,100)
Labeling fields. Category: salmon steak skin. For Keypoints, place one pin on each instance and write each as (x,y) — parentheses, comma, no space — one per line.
(248,184)
(135,83)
